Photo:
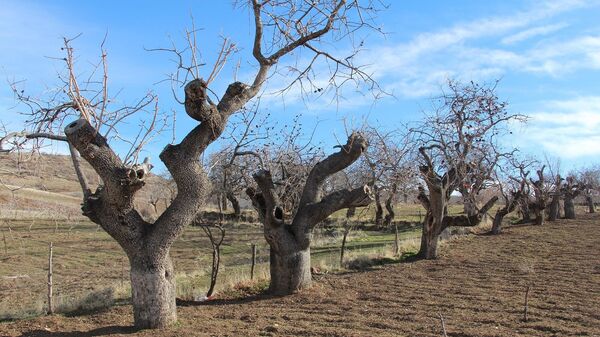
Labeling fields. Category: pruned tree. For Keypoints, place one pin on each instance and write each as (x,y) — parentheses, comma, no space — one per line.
(555,193)
(280,28)
(388,165)
(511,180)
(289,239)
(590,178)
(465,126)
(435,201)
(540,193)
(459,152)
(570,190)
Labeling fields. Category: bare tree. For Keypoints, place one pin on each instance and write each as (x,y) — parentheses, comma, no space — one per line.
(464,127)
(435,201)
(540,192)
(460,152)
(289,239)
(590,179)
(280,28)
(571,189)
(511,179)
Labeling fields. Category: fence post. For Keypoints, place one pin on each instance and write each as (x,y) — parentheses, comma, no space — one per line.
(253,261)
(122,272)
(4,239)
(50,304)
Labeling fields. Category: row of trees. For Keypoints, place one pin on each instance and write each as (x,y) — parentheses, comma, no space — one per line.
(293,185)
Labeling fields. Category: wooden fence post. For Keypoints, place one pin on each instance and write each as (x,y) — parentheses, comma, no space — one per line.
(253,261)
(50,304)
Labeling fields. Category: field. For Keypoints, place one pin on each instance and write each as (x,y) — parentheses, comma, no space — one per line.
(87,263)
(478,286)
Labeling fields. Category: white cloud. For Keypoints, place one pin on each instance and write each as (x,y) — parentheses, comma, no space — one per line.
(533,32)
(418,67)
(569,129)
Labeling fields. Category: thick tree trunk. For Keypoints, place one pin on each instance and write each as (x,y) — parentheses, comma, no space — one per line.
(590,203)
(498,218)
(553,210)
(429,238)
(389,217)
(525,211)
(223,200)
(378,210)
(153,292)
(569,207)
(290,271)
(469,207)
(235,204)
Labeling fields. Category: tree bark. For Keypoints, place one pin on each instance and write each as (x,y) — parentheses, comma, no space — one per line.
(290,242)
(553,209)
(430,237)
(235,204)
(590,203)
(153,291)
(378,208)
(525,211)
(223,199)
(569,206)
(389,217)
(290,271)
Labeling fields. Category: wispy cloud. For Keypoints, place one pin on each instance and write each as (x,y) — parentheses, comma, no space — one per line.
(569,128)
(475,51)
(533,32)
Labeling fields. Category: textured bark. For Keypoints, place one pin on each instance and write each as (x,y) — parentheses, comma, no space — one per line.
(435,202)
(569,207)
(590,204)
(389,206)
(237,211)
(223,200)
(290,271)
(525,211)
(541,196)
(378,208)
(289,242)
(112,204)
(509,206)
(553,209)
(153,292)
(571,190)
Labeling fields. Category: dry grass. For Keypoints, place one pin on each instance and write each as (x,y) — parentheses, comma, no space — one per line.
(478,286)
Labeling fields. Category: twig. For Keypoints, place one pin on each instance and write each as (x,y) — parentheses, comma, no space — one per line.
(443,324)
(525,311)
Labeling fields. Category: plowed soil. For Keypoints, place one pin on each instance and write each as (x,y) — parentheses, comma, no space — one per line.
(478,286)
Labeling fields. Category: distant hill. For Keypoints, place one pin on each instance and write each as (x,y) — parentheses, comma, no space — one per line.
(33,184)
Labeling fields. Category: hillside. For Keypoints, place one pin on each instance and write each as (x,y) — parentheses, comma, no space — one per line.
(478,286)
(34,185)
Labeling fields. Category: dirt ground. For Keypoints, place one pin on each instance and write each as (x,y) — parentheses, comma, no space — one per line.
(477,286)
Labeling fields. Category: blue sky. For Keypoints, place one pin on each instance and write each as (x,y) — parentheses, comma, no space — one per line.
(547,54)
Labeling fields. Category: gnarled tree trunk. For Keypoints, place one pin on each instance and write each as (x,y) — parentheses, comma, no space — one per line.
(237,211)
(590,204)
(389,206)
(290,241)
(378,207)
(553,209)
(153,291)
(571,190)
(569,206)
(509,206)
(289,266)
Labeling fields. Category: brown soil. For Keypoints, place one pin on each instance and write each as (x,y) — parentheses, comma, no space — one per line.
(478,286)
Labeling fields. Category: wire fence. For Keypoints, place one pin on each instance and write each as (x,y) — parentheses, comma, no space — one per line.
(89,268)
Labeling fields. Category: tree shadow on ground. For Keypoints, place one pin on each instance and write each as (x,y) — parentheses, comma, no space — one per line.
(107,330)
